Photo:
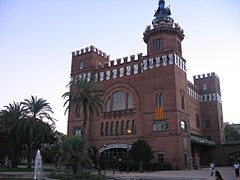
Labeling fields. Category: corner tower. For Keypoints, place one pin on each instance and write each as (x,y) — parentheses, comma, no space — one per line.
(165,35)
(211,106)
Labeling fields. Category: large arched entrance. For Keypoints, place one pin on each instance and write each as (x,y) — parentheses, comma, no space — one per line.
(113,155)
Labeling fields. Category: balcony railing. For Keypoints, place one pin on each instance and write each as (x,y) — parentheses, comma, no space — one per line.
(119,113)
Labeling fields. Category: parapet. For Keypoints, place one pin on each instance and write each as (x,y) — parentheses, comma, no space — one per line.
(193,86)
(125,60)
(207,75)
(90,49)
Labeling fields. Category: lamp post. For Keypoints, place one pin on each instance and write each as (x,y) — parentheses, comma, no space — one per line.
(120,162)
(105,158)
(114,159)
(129,131)
(128,148)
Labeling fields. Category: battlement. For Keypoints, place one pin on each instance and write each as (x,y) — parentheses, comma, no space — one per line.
(193,86)
(125,60)
(163,28)
(176,25)
(207,75)
(90,49)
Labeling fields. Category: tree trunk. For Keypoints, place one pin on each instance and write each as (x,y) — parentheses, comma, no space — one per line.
(29,165)
(141,167)
(75,167)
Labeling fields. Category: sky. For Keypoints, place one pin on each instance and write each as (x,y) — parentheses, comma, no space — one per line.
(37,38)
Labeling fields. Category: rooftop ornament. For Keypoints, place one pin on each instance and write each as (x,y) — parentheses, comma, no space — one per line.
(162,15)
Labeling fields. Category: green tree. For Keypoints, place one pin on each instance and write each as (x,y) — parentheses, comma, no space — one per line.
(11,143)
(85,96)
(74,151)
(34,127)
(50,150)
(231,134)
(141,152)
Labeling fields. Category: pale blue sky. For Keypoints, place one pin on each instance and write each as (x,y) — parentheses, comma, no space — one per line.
(38,36)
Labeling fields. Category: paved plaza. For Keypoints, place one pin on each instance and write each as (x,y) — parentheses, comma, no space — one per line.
(202,174)
(228,173)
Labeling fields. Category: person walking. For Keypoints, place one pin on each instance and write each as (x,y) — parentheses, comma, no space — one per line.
(218,176)
(236,167)
(212,168)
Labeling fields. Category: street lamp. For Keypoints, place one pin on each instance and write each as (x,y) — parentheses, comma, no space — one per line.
(128,148)
(114,159)
(105,158)
(120,162)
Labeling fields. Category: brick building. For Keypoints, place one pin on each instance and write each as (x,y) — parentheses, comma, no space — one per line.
(149,97)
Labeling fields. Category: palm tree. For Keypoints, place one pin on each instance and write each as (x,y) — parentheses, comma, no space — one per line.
(74,151)
(34,126)
(85,96)
(9,117)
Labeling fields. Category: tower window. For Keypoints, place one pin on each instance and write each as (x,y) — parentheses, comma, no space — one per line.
(204,86)
(157,45)
(77,131)
(208,125)
(81,64)
(183,126)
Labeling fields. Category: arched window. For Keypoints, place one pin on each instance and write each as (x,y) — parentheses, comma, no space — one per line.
(119,101)
(116,128)
(183,126)
(133,127)
(157,45)
(159,100)
(108,105)
(130,103)
(122,127)
(112,130)
(106,129)
(128,130)
(102,130)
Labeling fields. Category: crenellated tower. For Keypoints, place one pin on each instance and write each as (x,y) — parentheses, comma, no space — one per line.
(165,35)
(211,106)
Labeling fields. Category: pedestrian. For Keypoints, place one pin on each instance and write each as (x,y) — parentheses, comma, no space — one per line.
(218,176)
(236,167)
(212,168)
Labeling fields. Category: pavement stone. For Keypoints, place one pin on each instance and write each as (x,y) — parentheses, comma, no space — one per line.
(228,173)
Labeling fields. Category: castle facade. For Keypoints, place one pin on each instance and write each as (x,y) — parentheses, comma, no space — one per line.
(149,97)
